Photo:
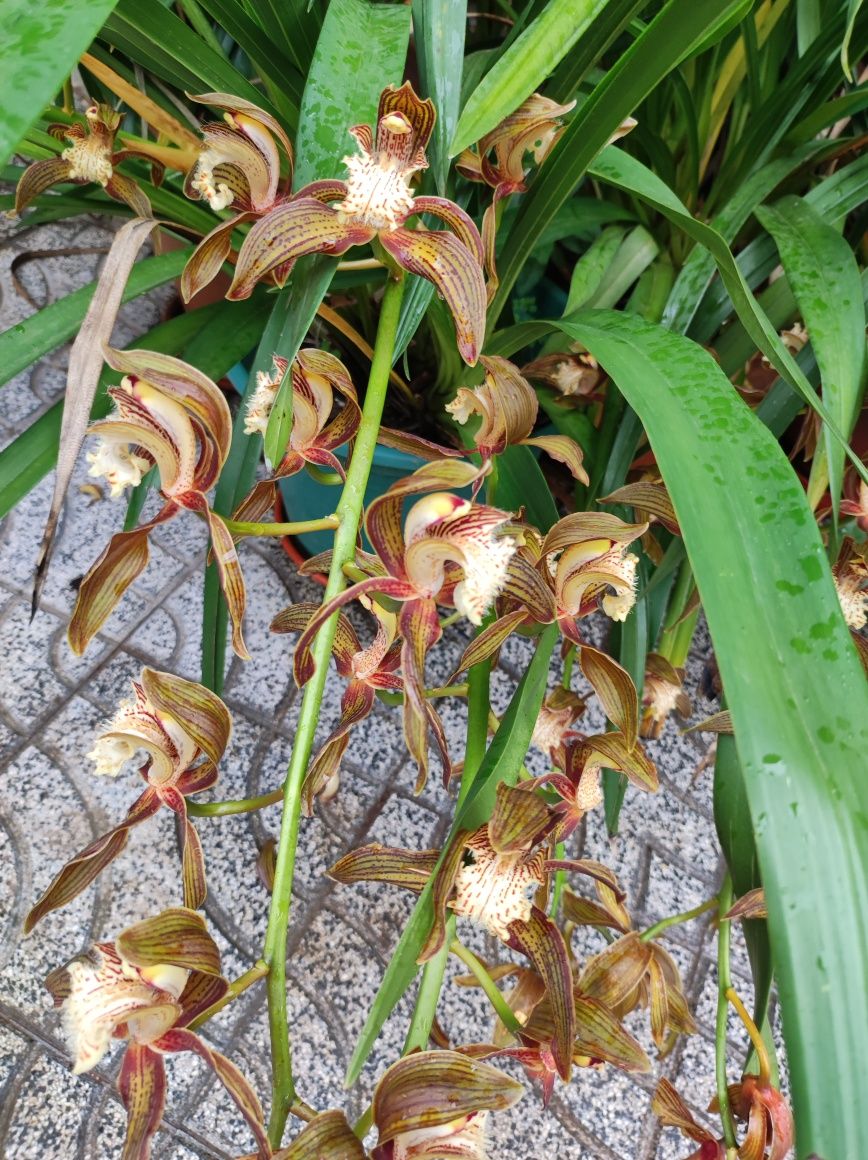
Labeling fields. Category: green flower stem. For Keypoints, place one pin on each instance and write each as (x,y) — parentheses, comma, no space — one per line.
(724,984)
(677,634)
(685,916)
(257,971)
(349,512)
(569,661)
(443,691)
(238,806)
(505,1013)
(363,1124)
(240,528)
(429,992)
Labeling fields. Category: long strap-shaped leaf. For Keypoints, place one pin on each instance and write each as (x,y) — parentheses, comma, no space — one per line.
(620,169)
(798,698)
(85,364)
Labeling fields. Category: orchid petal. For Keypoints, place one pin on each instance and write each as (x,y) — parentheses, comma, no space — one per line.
(420,627)
(328,1136)
(296,618)
(444,260)
(233,104)
(672,1111)
(198,711)
(600,1035)
(179,1039)
(615,972)
(80,871)
(488,641)
(416,445)
(202,991)
(38,177)
(565,450)
(184,383)
(177,936)
(126,190)
(409,869)
(647,497)
(420,114)
(207,259)
(303,665)
(301,226)
(581,526)
(615,689)
(520,819)
(458,221)
(228,568)
(443,885)
(543,943)
(192,858)
(105,583)
(142,1087)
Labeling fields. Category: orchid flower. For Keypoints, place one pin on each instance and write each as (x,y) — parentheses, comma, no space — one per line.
(499,159)
(171,416)
(633,973)
(507,407)
(366,669)
(587,559)
(376,201)
(237,168)
(560,710)
(533,128)
(146,987)
(574,376)
(493,876)
(319,381)
(450,551)
(435,1104)
(770,1130)
(173,732)
(662,694)
(90,158)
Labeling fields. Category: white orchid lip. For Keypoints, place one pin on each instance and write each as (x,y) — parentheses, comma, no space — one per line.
(443,527)
(217,194)
(118,465)
(378,191)
(463,1138)
(497,889)
(89,160)
(138,727)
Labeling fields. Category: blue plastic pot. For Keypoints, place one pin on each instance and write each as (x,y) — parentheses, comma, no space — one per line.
(306,499)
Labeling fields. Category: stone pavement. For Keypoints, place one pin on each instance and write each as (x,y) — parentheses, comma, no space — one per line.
(51,805)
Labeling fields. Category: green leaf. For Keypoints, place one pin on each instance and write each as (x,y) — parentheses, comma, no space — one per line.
(361,49)
(735,834)
(39,47)
(501,763)
(521,483)
(523,67)
(796,691)
(677,28)
(155,38)
(824,276)
(439,27)
(853,7)
(29,340)
(624,171)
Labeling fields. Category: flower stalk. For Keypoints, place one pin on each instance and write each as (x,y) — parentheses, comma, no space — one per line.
(724,986)
(349,513)
(243,528)
(673,919)
(258,971)
(504,1011)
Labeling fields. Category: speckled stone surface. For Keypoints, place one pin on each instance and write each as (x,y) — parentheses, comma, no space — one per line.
(51,703)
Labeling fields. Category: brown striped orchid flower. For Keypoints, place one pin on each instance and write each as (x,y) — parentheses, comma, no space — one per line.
(90,158)
(451,550)
(576,780)
(434,1104)
(507,407)
(495,875)
(238,168)
(325,416)
(146,987)
(587,558)
(376,201)
(770,1129)
(366,670)
(173,732)
(662,695)
(499,160)
(170,416)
